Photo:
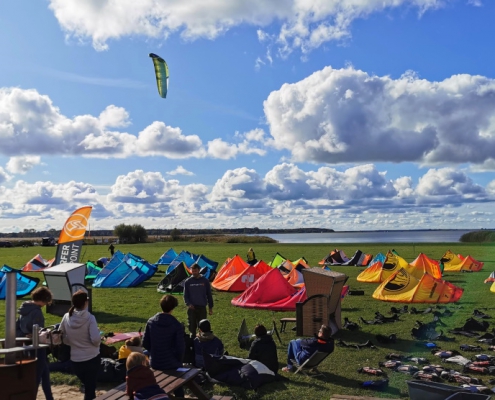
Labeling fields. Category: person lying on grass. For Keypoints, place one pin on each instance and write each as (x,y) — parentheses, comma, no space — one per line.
(301,349)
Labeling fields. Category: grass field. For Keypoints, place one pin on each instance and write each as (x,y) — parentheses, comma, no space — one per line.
(120,310)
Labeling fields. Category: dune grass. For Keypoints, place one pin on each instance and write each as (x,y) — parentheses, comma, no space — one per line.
(121,310)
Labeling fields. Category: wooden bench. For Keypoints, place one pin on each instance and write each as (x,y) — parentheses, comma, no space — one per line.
(283,323)
(169,381)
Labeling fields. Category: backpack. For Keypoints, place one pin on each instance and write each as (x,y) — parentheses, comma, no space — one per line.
(475,325)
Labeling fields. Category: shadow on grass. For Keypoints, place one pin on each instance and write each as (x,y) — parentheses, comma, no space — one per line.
(108,318)
(339,380)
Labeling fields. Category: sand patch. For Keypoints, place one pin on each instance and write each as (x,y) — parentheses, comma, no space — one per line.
(65,392)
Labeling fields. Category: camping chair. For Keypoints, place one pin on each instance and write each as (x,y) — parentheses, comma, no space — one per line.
(311,364)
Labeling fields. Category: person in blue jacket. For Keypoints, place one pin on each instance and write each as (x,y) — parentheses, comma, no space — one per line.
(206,341)
(301,349)
(197,295)
(164,339)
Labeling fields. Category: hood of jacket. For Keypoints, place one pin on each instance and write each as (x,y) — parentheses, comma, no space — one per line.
(27,308)
(79,318)
(206,336)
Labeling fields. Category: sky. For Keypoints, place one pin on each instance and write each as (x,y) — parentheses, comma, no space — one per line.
(337,114)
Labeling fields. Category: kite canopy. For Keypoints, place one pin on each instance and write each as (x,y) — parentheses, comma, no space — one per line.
(458,263)
(426,264)
(161,73)
(25,284)
(236,276)
(403,287)
(36,264)
(379,272)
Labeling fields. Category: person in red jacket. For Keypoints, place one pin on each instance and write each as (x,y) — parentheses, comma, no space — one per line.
(140,380)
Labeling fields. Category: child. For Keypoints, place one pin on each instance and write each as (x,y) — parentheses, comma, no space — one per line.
(206,341)
(140,381)
(132,344)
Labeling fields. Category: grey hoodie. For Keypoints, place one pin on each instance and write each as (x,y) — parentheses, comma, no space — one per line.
(82,335)
(29,314)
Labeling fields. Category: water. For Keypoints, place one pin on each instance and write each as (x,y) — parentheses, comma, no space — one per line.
(447,236)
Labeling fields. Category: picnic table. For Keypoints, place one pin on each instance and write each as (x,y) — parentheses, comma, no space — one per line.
(169,381)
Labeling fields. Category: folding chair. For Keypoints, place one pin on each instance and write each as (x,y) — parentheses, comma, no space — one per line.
(311,364)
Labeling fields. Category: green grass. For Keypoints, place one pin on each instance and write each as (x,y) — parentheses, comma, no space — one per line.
(120,310)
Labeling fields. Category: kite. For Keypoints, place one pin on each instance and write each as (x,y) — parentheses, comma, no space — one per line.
(161,73)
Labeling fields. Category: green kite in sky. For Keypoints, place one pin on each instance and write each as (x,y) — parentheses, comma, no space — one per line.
(161,72)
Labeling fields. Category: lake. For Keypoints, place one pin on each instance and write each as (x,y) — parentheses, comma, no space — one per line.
(447,236)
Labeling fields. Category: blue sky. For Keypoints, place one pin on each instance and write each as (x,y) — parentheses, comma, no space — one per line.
(351,115)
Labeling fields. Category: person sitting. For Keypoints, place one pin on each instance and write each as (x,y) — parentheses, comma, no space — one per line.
(140,380)
(301,349)
(206,341)
(131,345)
(164,339)
(251,257)
(264,349)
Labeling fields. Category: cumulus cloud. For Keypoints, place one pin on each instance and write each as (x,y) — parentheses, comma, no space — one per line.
(180,170)
(4,176)
(218,148)
(303,24)
(347,115)
(30,124)
(286,196)
(21,165)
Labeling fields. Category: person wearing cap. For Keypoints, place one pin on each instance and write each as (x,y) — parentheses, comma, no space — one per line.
(206,341)
(301,349)
(264,349)
(197,295)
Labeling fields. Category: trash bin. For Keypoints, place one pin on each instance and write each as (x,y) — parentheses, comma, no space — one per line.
(18,381)
(468,396)
(424,390)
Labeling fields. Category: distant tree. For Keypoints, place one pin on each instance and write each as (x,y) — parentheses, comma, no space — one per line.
(175,234)
(139,233)
(130,233)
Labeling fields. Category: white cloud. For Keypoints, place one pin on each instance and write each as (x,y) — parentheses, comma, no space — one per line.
(286,196)
(180,170)
(4,176)
(347,115)
(22,164)
(304,24)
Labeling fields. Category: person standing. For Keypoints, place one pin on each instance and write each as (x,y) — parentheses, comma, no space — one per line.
(251,257)
(112,249)
(30,313)
(197,295)
(164,339)
(81,333)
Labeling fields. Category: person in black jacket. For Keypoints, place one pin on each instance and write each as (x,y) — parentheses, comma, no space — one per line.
(263,349)
(301,349)
(197,294)
(206,341)
(164,338)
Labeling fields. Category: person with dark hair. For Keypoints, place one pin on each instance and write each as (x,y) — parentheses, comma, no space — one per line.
(30,314)
(206,341)
(301,349)
(81,333)
(264,349)
(251,257)
(197,294)
(164,338)
(112,249)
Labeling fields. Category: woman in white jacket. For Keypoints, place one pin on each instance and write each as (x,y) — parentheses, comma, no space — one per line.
(81,333)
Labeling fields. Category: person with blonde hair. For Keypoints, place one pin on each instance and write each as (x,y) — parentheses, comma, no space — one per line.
(81,333)
(131,345)
(140,380)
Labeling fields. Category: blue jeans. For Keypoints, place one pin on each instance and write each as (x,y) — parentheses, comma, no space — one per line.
(293,351)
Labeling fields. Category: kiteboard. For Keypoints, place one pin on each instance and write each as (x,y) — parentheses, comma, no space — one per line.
(119,337)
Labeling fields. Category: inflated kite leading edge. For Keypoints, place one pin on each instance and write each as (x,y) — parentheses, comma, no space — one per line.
(161,73)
